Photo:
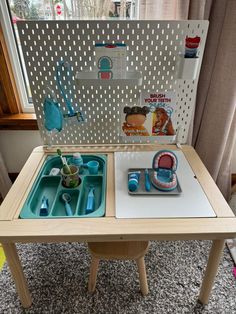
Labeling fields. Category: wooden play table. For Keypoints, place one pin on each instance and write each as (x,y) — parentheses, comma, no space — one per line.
(109,228)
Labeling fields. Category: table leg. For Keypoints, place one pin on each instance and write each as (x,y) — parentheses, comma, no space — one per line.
(17,274)
(211,270)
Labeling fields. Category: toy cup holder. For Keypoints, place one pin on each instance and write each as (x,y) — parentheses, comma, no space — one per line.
(71,180)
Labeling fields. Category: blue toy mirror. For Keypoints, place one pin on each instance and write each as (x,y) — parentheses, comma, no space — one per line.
(53,119)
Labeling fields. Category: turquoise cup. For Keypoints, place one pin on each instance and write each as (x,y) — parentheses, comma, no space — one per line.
(93,167)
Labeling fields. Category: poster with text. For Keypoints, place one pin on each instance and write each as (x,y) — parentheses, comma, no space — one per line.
(151,118)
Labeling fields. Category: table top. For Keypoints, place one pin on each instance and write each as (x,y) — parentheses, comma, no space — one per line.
(110,228)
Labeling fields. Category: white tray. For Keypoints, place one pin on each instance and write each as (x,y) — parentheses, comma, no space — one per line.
(192,202)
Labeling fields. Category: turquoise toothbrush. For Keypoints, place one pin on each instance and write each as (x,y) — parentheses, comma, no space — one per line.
(90,200)
(64,82)
(66,168)
(147,181)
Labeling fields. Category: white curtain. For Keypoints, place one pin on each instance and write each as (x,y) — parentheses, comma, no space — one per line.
(164,9)
(214,132)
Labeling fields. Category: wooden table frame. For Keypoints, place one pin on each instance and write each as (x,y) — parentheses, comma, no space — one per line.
(109,228)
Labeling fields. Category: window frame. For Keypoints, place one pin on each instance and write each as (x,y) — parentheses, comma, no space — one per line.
(11,44)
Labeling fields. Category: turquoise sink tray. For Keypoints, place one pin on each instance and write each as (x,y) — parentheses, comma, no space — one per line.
(51,187)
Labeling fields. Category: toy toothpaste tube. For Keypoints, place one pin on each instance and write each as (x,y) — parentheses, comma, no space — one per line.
(191,46)
(133,180)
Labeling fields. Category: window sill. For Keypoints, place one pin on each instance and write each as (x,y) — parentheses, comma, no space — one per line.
(21,121)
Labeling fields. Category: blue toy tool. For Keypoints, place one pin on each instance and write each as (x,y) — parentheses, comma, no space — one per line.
(90,201)
(44,207)
(67,198)
(64,82)
(147,181)
(164,165)
(53,119)
(133,180)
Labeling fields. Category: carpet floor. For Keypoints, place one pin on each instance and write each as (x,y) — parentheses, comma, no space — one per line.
(57,275)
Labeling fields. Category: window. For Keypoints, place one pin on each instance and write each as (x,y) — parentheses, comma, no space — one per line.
(14,56)
(12,11)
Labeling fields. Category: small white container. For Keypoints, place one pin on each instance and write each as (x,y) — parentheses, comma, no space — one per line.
(187,68)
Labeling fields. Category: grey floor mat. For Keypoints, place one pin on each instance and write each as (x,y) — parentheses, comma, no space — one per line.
(58,274)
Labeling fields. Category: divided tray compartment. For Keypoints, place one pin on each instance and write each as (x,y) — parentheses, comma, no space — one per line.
(58,209)
(51,187)
(96,182)
(154,191)
(47,187)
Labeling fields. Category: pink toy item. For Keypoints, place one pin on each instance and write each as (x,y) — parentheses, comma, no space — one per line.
(165,165)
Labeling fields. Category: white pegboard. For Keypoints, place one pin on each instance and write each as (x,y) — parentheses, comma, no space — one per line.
(153,48)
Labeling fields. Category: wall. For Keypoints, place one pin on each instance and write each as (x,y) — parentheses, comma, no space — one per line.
(16,147)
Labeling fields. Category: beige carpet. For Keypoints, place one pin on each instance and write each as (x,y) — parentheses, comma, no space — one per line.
(58,274)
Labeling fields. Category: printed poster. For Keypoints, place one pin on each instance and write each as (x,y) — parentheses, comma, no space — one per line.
(152,118)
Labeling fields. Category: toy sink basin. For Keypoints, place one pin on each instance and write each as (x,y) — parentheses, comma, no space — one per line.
(51,187)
